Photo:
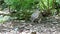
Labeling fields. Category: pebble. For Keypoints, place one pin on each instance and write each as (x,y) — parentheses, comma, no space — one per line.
(36,29)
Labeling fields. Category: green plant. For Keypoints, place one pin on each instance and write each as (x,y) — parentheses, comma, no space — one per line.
(22,9)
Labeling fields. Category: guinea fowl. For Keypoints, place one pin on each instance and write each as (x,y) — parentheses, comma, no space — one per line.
(35,15)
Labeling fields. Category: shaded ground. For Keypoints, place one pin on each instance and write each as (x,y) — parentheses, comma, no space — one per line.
(50,25)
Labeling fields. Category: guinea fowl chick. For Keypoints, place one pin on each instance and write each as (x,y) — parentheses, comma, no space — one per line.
(35,15)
